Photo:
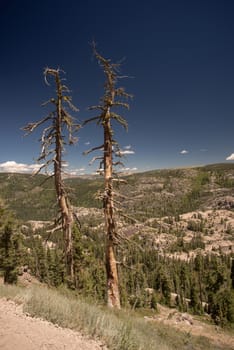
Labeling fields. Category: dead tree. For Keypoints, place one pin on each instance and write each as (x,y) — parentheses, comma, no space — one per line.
(59,131)
(113,98)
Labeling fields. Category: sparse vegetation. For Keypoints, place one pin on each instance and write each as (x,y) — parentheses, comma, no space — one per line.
(148,193)
(183,260)
(118,330)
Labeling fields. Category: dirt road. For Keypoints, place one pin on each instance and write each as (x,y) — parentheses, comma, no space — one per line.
(21,332)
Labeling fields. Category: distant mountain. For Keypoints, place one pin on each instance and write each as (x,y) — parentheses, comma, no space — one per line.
(33,197)
(176,229)
(157,193)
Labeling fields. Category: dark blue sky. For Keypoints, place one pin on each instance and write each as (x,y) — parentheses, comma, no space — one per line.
(179,56)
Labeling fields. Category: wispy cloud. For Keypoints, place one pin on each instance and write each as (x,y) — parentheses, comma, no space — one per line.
(184,151)
(12,167)
(129,169)
(126,151)
(231,157)
(87,143)
(76,172)
(81,169)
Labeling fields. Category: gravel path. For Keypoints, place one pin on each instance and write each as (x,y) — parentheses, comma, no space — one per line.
(21,332)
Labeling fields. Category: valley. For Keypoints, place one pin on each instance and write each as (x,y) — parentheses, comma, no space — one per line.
(175,241)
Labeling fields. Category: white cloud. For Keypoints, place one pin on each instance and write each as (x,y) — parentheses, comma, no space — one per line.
(128,147)
(100,171)
(12,167)
(81,169)
(75,172)
(87,143)
(231,157)
(129,169)
(121,152)
(184,151)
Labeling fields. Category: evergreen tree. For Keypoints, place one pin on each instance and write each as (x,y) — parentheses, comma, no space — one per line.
(195,301)
(199,268)
(232,273)
(222,307)
(40,260)
(9,246)
(50,267)
(58,268)
(165,286)
(184,280)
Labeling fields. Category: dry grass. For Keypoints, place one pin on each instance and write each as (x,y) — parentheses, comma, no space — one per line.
(120,330)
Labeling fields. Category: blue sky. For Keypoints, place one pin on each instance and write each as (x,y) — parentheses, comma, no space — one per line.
(179,58)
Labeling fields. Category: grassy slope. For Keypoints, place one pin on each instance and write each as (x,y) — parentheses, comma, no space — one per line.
(120,330)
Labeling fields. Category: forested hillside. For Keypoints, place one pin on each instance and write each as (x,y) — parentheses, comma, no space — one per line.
(33,197)
(176,238)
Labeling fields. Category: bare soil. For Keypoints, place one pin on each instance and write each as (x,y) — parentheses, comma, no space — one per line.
(18,331)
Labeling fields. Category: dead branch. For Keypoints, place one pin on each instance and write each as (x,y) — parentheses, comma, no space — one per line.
(57,228)
(46,179)
(120,212)
(93,149)
(90,120)
(119,180)
(77,219)
(94,159)
(32,126)
(118,163)
(129,241)
(117,194)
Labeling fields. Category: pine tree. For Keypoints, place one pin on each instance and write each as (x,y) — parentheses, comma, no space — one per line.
(195,302)
(222,307)
(40,260)
(50,267)
(9,246)
(59,127)
(58,268)
(199,268)
(184,286)
(111,100)
(166,290)
(232,273)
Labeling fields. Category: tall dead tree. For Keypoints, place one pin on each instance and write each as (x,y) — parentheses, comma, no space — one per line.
(59,131)
(113,98)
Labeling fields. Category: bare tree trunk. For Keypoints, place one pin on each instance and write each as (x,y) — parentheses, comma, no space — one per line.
(54,137)
(113,299)
(113,98)
(66,213)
